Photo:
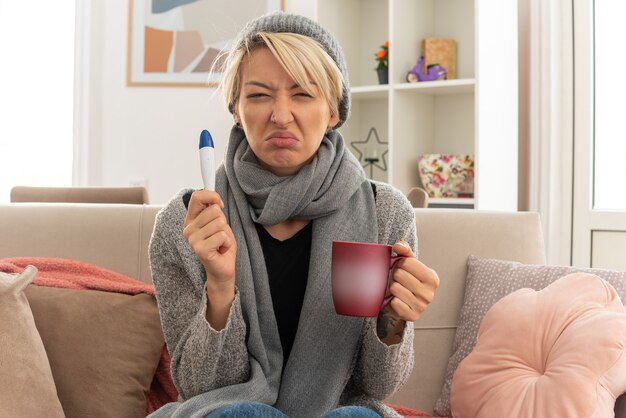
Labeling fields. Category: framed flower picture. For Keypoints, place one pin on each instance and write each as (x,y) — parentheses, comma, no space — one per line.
(175,42)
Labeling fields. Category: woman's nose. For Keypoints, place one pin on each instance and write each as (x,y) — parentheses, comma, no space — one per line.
(282,114)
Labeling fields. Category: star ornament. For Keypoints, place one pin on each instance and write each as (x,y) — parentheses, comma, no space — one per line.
(372,151)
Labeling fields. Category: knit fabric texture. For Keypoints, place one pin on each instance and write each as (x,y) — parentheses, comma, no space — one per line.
(279,22)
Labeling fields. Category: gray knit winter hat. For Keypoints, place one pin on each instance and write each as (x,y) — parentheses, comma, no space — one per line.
(286,22)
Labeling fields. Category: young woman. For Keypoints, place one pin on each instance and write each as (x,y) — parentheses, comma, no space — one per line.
(242,273)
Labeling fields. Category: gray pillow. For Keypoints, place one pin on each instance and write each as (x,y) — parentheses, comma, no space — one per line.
(487,282)
(27,387)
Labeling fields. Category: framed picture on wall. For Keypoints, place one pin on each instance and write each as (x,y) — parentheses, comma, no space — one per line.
(175,42)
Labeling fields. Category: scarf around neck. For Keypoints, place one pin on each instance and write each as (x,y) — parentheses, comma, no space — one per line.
(332,191)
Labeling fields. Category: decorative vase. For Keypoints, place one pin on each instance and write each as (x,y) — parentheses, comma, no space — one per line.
(383,75)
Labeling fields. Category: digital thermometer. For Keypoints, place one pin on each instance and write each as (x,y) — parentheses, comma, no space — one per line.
(207,160)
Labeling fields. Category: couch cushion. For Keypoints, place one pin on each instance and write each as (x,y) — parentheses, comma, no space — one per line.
(559,352)
(26,388)
(488,281)
(103,348)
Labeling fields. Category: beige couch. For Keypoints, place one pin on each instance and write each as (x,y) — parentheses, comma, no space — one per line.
(130,195)
(116,236)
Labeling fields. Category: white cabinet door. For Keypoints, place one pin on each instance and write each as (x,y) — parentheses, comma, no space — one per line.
(599,229)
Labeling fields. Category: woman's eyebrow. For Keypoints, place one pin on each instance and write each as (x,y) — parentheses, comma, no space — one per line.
(265,86)
(258,84)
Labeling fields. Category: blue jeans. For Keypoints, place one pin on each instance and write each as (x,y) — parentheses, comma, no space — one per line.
(259,410)
(351,411)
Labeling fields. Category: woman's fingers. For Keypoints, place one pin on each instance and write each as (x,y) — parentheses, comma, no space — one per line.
(211,215)
(200,200)
(214,245)
(424,290)
(407,305)
(413,285)
(197,233)
(209,235)
(404,311)
(421,271)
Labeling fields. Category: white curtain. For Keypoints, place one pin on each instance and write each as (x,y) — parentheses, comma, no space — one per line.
(546,117)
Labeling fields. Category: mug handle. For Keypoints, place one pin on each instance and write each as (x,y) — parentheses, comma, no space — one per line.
(392,262)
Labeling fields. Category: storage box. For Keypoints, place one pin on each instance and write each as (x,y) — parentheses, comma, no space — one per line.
(447,175)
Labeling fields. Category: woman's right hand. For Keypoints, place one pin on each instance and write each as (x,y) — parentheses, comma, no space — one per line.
(208,233)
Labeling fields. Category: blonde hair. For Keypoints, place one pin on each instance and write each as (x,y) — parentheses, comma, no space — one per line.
(304,59)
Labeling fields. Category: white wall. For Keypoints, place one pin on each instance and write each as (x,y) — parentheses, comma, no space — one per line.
(151,133)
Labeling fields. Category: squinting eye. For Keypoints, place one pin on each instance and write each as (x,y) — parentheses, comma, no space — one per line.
(256,95)
(304,95)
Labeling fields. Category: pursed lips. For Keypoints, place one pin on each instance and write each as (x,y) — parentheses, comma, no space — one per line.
(282,139)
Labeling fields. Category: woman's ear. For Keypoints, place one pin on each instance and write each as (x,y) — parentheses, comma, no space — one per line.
(333,121)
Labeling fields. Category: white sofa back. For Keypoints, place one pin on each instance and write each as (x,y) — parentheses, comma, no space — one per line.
(116,236)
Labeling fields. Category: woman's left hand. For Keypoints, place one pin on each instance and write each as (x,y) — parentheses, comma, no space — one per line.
(412,285)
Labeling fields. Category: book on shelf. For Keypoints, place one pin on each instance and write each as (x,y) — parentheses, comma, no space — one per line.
(440,51)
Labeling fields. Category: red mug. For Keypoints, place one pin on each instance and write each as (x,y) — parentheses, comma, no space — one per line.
(360,275)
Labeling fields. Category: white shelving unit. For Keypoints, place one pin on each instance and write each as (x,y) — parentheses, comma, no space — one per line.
(451,202)
(473,114)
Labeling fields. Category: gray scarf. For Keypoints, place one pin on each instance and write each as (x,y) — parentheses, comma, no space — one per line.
(333,192)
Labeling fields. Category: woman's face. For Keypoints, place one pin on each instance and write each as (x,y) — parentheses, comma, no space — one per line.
(284,125)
